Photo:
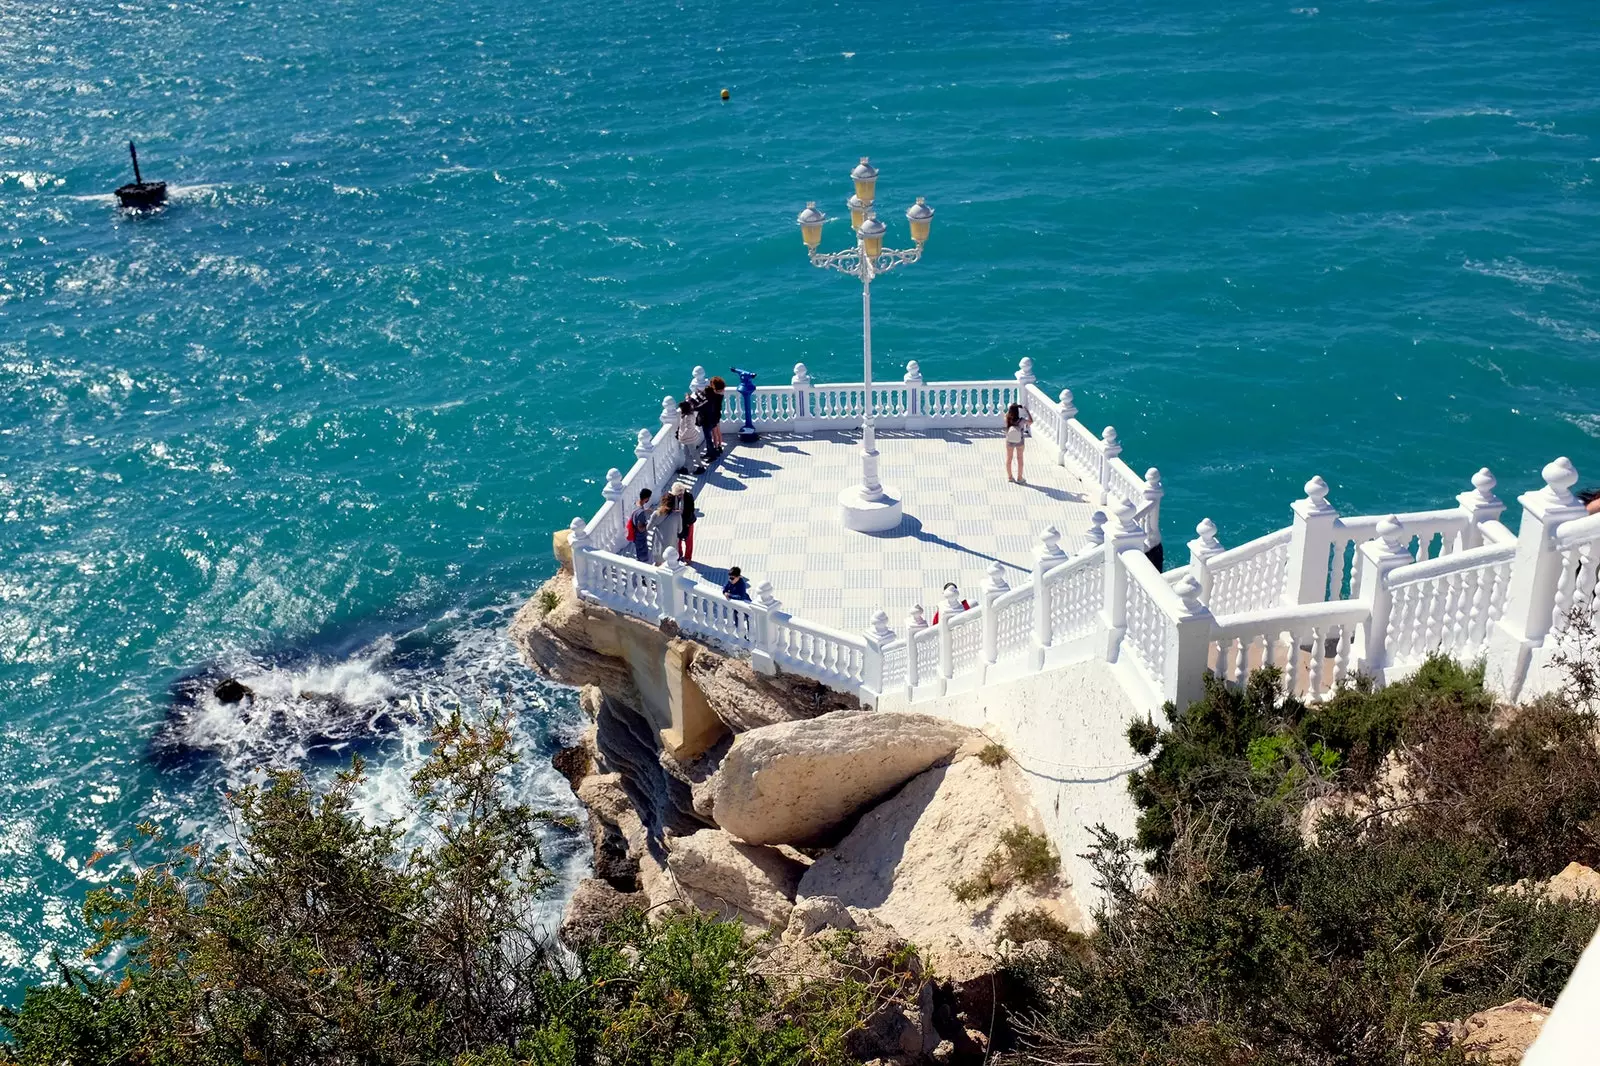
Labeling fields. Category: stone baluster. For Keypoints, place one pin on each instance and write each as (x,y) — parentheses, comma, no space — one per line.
(947,613)
(1380,557)
(1201,549)
(1069,411)
(1191,636)
(677,580)
(877,635)
(698,380)
(1152,516)
(915,623)
(1310,546)
(1046,556)
(1121,534)
(914,383)
(1480,505)
(1535,575)
(765,613)
(1110,448)
(801,384)
(993,589)
(614,519)
(1024,376)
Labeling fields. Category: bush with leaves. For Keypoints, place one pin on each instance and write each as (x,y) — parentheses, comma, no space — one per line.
(322,939)
(1248,942)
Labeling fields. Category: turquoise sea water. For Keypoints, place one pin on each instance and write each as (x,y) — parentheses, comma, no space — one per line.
(429,266)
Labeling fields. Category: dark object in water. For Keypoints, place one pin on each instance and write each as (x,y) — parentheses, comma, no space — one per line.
(230,690)
(141,195)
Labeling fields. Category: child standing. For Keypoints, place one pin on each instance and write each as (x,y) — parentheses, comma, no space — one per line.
(639,527)
(736,587)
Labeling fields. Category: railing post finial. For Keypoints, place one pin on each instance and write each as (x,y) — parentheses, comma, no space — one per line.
(1024,375)
(765,597)
(802,377)
(698,380)
(612,490)
(642,446)
(578,535)
(1096,535)
(1069,409)
(1480,505)
(1309,577)
(879,629)
(1049,552)
(669,411)
(1201,549)
(997,578)
(1559,477)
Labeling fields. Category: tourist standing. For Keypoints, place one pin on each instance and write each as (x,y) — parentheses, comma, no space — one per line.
(1017,422)
(687,516)
(691,437)
(639,527)
(711,415)
(736,587)
(665,527)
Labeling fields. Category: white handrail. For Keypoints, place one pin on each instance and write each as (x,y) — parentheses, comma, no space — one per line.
(1578,531)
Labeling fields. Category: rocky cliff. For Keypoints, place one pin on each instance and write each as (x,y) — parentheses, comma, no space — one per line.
(785,805)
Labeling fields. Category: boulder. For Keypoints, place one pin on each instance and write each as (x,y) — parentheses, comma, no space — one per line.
(231,690)
(811,916)
(1574,882)
(595,904)
(1499,1034)
(799,782)
(724,876)
(903,855)
(746,700)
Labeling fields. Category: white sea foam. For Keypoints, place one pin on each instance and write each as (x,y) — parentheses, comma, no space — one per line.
(1513,269)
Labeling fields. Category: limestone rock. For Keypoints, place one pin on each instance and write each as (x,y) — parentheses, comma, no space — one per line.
(1576,881)
(724,876)
(594,905)
(902,856)
(813,915)
(746,700)
(798,782)
(1499,1034)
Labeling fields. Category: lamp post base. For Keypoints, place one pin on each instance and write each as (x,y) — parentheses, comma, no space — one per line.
(862,514)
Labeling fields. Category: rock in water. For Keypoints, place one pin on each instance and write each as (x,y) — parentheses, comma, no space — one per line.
(231,690)
(723,876)
(799,782)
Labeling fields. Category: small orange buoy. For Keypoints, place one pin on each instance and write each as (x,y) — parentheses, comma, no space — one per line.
(726,95)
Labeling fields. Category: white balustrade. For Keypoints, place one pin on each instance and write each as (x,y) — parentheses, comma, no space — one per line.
(1577,587)
(1252,576)
(1076,594)
(1313,644)
(1447,604)
(1013,623)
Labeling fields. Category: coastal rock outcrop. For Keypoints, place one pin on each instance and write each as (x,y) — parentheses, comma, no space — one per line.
(1499,1034)
(903,856)
(594,905)
(746,700)
(799,782)
(720,875)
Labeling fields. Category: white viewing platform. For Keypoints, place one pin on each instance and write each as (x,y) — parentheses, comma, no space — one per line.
(1059,571)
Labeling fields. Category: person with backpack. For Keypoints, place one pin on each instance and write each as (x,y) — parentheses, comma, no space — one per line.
(1017,422)
(665,527)
(639,527)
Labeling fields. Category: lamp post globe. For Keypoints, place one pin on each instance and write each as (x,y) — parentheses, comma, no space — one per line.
(920,215)
(865,175)
(871,232)
(811,221)
(858,210)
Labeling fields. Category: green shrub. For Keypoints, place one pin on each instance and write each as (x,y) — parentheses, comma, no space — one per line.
(548,600)
(993,755)
(1022,856)
(1035,924)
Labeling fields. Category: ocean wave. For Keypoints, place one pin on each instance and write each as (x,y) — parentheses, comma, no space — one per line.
(1513,269)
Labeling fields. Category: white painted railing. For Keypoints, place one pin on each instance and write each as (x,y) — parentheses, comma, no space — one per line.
(1313,645)
(1320,599)
(1251,576)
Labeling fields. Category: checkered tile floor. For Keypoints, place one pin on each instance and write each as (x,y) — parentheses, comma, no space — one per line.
(770,508)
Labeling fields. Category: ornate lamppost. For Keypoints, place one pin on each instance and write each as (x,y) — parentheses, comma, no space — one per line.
(867,507)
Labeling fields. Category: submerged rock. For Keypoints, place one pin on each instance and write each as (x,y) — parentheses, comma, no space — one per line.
(231,690)
(800,782)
